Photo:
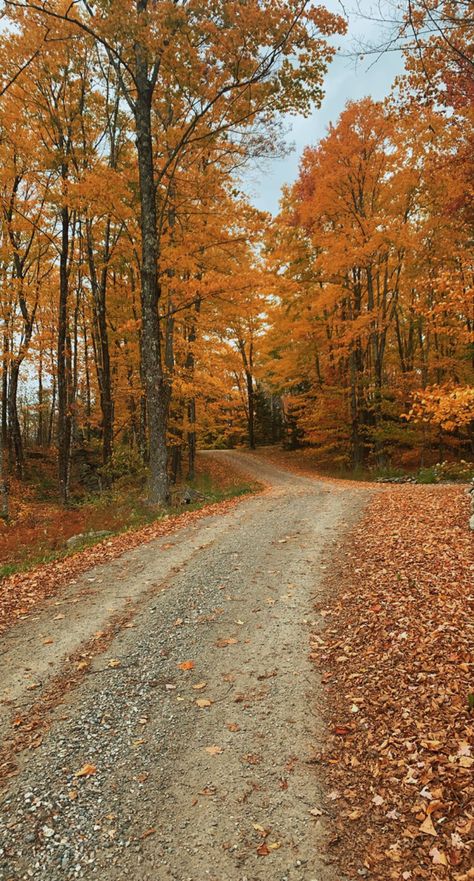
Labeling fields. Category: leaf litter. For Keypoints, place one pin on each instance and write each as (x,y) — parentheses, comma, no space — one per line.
(398,643)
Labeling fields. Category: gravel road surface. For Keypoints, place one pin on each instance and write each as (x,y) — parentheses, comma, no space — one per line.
(196,730)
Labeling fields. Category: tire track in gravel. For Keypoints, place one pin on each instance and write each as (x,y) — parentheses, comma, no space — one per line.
(184,792)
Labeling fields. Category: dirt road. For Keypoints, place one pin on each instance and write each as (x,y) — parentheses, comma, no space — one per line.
(200,721)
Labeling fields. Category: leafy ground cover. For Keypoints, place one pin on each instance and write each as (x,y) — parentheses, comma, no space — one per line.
(396,655)
(35,559)
(308,461)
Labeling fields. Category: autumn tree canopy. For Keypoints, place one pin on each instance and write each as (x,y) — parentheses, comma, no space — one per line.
(146,307)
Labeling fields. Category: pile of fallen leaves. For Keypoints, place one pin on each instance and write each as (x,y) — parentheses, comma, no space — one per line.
(396,655)
(21,592)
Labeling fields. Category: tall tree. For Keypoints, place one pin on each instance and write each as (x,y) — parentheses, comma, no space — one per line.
(189,73)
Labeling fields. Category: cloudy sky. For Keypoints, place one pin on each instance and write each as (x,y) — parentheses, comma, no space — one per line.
(346,80)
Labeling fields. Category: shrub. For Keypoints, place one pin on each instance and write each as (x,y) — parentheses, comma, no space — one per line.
(125,462)
(462,470)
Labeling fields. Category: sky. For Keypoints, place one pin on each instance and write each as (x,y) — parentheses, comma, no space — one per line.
(346,80)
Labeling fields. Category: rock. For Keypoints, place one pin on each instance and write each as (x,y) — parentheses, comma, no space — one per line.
(100,533)
(77,539)
(190,495)
(405,478)
(471,522)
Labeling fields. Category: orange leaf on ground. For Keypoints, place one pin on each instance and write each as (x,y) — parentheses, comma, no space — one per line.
(186,665)
(86,771)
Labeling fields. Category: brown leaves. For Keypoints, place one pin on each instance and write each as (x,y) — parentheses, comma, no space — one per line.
(265,849)
(214,750)
(203,703)
(427,827)
(397,646)
(316,812)
(222,643)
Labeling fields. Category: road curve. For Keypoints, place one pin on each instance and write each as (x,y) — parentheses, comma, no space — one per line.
(177,790)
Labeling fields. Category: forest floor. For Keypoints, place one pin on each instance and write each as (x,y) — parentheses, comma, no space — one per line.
(38,530)
(274,690)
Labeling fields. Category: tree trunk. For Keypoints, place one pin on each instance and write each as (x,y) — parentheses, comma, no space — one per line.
(87,378)
(99,301)
(4,513)
(40,424)
(176,457)
(157,388)
(64,416)
(356,445)
(251,409)
(51,413)
(16,443)
(191,404)
(192,445)
(6,348)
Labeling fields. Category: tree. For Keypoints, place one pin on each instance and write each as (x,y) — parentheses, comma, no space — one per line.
(375,272)
(190,74)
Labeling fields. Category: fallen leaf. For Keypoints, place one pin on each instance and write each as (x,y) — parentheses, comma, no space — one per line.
(81,665)
(86,771)
(214,750)
(341,730)
(260,829)
(147,833)
(438,857)
(114,662)
(427,827)
(233,726)
(203,702)
(186,665)
(199,686)
(222,643)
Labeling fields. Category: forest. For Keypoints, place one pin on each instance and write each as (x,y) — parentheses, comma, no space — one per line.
(236,618)
(148,309)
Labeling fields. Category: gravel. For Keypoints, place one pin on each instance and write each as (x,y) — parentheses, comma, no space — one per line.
(159,805)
